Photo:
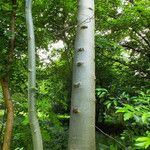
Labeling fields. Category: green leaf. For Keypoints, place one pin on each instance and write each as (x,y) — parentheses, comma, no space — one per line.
(121,110)
(128,115)
(143,142)
(25,121)
(145,116)
(108,104)
(137,118)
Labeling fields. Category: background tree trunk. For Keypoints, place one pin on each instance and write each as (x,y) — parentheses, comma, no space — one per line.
(34,124)
(5,83)
(10,114)
(82,121)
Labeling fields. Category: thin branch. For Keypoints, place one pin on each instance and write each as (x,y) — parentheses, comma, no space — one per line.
(75,26)
(110,137)
(138,39)
(133,48)
(140,35)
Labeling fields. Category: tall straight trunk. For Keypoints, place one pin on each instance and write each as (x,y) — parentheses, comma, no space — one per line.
(5,83)
(82,121)
(34,124)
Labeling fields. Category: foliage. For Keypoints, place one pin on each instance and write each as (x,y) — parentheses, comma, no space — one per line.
(137,114)
(143,142)
(122,69)
(138,109)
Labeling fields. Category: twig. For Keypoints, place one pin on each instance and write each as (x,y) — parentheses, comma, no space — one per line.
(75,26)
(110,137)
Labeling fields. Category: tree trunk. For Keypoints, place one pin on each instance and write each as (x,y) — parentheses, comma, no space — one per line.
(82,121)
(34,124)
(5,84)
(10,114)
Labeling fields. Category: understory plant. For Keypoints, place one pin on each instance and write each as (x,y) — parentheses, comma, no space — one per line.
(137,120)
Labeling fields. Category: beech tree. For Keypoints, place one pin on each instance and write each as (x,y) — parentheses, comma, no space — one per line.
(34,124)
(82,121)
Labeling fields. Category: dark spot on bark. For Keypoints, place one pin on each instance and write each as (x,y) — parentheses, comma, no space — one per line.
(84,27)
(75,110)
(90,8)
(80,49)
(79,63)
(76,85)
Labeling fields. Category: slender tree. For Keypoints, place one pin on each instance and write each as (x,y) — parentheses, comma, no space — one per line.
(5,82)
(34,124)
(82,121)
(10,115)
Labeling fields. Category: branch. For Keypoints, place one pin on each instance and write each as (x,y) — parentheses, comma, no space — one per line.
(140,35)
(133,48)
(75,26)
(110,137)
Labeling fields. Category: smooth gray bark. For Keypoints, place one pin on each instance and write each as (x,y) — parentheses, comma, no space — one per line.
(82,121)
(34,124)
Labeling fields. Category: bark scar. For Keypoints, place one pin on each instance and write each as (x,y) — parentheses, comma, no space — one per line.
(80,49)
(75,110)
(90,8)
(84,27)
(79,63)
(76,85)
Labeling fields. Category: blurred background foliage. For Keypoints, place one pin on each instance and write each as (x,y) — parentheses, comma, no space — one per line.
(122,43)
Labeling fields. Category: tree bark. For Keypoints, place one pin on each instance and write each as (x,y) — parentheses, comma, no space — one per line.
(5,84)
(10,114)
(82,121)
(34,124)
